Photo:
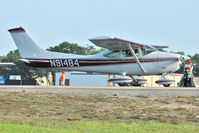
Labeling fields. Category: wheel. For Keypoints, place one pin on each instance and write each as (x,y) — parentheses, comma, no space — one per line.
(123,84)
(166,85)
(129,84)
(134,84)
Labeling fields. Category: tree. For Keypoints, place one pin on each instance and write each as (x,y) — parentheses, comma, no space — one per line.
(73,48)
(161,49)
(19,68)
(90,50)
(195,60)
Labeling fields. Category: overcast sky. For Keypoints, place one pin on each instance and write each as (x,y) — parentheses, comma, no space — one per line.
(155,22)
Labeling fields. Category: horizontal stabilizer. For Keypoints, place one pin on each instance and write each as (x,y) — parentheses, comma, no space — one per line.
(32,61)
(7,64)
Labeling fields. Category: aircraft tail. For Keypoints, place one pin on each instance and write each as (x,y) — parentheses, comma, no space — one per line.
(28,48)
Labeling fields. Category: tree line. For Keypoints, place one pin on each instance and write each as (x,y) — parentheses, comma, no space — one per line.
(65,47)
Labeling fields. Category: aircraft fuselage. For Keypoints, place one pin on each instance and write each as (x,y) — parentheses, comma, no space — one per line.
(157,65)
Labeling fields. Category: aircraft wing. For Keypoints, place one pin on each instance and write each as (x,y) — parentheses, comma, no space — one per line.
(113,43)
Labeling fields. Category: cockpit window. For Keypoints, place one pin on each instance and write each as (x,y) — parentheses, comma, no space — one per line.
(126,53)
(121,53)
(113,54)
(139,52)
(148,49)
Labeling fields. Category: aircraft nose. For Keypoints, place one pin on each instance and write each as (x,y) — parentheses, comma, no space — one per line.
(184,58)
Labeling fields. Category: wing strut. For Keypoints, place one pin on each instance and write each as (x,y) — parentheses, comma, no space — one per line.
(136,59)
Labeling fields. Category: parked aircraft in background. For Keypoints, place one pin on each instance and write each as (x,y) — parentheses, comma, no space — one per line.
(122,57)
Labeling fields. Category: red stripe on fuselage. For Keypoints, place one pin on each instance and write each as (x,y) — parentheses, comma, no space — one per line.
(97,62)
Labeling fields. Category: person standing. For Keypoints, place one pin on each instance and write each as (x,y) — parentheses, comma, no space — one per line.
(188,75)
(50,78)
(110,84)
(189,68)
(62,79)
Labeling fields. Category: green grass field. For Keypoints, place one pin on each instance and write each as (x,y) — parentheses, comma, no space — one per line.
(97,127)
(89,113)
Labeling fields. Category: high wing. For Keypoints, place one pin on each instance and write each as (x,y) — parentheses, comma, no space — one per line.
(114,43)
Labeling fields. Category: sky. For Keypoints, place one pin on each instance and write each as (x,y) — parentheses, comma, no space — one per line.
(154,22)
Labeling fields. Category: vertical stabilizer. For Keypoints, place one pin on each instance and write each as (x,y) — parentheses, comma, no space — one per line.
(28,48)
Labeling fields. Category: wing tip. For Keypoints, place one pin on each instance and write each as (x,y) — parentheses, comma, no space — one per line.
(20,29)
(102,38)
(161,46)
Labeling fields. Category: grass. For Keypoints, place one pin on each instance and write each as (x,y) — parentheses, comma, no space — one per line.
(43,112)
(170,110)
(98,127)
(11,128)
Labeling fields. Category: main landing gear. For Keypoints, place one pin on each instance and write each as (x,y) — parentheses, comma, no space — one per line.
(128,81)
(165,81)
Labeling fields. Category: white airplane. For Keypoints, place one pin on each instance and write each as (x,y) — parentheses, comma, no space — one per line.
(6,64)
(122,57)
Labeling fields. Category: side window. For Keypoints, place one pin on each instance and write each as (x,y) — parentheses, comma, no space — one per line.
(126,53)
(113,54)
(136,52)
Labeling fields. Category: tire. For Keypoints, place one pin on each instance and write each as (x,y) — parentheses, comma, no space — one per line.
(123,84)
(128,84)
(135,84)
(166,85)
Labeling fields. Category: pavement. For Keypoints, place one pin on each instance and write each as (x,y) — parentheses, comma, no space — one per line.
(121,91)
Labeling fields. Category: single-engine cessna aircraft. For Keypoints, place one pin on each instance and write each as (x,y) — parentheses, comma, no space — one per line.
(122,57)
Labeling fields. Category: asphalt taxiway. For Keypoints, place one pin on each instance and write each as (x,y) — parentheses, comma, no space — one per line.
(122,91)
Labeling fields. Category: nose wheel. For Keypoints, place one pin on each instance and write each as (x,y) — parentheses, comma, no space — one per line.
(166,85)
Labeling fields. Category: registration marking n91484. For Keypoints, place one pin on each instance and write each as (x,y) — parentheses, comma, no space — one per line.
(64,62)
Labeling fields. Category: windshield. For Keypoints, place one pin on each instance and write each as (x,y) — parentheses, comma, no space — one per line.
(148,49)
